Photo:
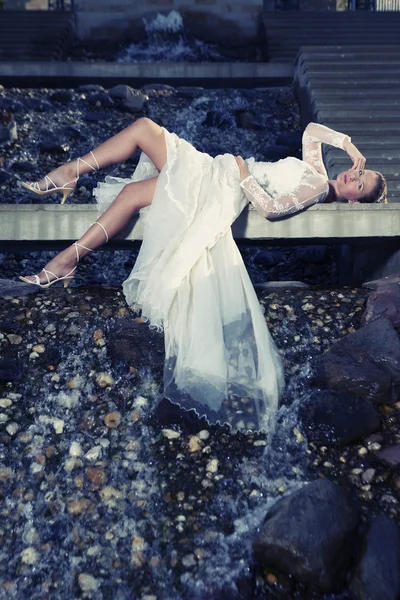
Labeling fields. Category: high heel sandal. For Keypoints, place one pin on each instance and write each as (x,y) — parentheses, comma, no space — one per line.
(66,279)
(64,189)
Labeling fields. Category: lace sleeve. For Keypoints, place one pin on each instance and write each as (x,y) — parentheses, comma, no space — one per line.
(314,135)
(311,190)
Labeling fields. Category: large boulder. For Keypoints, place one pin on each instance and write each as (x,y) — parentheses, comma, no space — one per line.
(383,302)
(365,363)
(337,417)
(309,534)
(377,576)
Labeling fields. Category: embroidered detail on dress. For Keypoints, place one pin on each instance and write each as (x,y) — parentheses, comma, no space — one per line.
(291,202)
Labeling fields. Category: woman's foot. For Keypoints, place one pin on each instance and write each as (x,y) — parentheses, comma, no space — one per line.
(60,266)
(60,177)
(63,179)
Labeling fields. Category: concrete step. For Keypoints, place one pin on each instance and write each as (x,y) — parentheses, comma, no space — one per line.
(359,96)
(35,34)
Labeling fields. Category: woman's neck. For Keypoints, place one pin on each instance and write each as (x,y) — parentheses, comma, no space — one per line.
(332,194)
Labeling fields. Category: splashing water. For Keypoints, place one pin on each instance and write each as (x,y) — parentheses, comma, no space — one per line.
(167,41)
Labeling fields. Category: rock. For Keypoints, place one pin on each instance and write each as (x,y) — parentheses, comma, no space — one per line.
(375,283)
(162,87)
(268,258)
(390,455)
(90,87)
(245,119)
(38,104)
(8,287)
(365,363)
(11,105)
(377,575)
(8,132)
(215,118)
(76,507)
(281,285)
(101,99)
(96,475)
(190,92)
(311,254)
(23,166)
(309,535)
(62,96)
(88,583)
(338,417)
(10,370)
(127,98)
(383,302)
(29,556)
(14,339)
(104,380)
(113,419)
(170,434)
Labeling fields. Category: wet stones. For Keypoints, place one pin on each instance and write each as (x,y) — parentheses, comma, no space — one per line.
(377,575)
(337,417)
(128,98)
(365,363)
(383,302)
(310,535)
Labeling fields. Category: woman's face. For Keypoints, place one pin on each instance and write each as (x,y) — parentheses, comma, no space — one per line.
(353,185)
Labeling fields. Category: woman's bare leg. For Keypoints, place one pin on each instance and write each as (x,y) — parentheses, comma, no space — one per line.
(131,199)
(143,134)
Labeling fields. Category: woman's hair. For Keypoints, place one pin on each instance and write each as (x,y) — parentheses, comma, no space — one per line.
(379,192)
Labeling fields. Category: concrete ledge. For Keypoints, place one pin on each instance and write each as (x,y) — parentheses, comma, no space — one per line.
(67,74)
(333,222)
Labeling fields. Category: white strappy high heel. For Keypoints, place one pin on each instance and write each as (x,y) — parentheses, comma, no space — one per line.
(66,279)
(52,188)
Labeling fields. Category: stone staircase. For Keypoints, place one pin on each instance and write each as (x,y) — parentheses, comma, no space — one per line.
(356,90)
(286,31)
(28,35)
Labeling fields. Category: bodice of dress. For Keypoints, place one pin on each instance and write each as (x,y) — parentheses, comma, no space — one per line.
(290,185)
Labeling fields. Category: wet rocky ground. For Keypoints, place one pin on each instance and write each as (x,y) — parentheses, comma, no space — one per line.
(98,497)
(100,500)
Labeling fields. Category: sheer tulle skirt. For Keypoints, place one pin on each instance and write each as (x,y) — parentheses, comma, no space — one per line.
(190,280)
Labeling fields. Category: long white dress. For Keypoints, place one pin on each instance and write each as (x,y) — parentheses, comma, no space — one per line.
(189,278)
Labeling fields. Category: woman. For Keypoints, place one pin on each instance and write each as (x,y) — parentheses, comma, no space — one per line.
(189,278)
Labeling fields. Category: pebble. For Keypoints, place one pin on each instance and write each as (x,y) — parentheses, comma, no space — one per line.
(76,507)
(39,348)
(204,434)
(75,449)
(212,465)
(94,453)
(368,475)
(104,380)
(14,339)
(88,583)
(12,428)
(195,443)
(171,434)
(5,402)
(362,451)
(113,419)
(58,425)
(96,475)
(29,556)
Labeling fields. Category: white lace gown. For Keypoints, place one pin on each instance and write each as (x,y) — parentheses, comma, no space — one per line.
(189,278)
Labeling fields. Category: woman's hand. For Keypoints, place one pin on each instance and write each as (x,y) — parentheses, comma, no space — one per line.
(358,159)
(243,168)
